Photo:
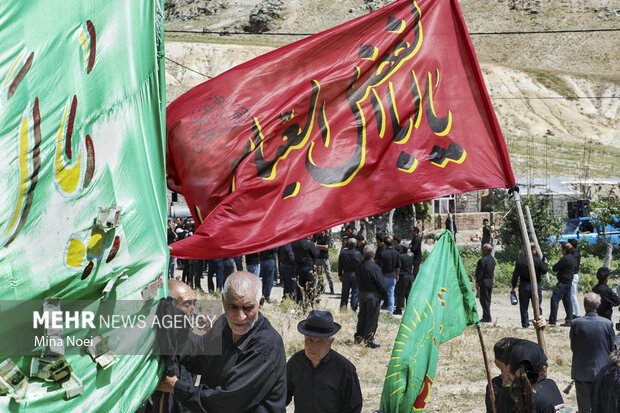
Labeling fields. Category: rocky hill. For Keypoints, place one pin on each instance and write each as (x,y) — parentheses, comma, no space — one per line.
(557,95)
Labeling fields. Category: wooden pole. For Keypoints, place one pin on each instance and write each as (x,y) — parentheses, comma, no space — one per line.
(487,368)
(530,263)
(534,238)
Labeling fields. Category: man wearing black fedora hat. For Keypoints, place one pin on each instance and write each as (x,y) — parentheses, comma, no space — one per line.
(319,378)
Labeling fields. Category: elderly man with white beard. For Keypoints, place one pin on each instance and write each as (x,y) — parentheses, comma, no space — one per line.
(250,373)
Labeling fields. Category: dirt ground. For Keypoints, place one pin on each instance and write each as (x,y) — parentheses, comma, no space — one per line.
(461,377)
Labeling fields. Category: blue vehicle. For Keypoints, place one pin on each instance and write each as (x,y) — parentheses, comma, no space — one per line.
(589,229)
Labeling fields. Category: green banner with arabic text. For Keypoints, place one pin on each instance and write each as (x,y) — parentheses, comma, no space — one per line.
(82,176)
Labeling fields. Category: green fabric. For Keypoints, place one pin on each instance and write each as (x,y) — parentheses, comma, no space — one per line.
(105,59)
(439,308)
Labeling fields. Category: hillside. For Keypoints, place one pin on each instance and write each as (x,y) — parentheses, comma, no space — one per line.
(536,81)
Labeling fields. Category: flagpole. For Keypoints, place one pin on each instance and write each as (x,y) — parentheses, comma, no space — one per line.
(486,367)
(530,224)
(514,190)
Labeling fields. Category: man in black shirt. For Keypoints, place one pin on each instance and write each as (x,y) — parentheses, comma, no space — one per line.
(172,237)
(361,243)
(348,261)
(486,232)
(306,254)
(485,271)
(416,249)
(565,268)
(250,373)
(390,266)
(405,279)
(609,299)
(522,275)
(286,258)
(371,286)
(322,242)
(319,378)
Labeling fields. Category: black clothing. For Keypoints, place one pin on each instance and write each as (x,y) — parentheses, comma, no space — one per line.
(565,269)
(498,387)
(251,259)
(322,240)
(577,257)
(378,252)
(389,262)
(450,225)
(285,255)
(405,263)
(549,390)
(368,317)
(505,404)
(416,248)
(369,278)
(405,280)
(332,386)
(485,270)
(267,255)
(171,236)
(305,252)
(605,396)
(348,261)
(486,235)
(522,272)
(249,375)
(484,279)
(371,287)
(609,299)
(360,247)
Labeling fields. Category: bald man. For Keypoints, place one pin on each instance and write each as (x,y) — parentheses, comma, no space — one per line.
(183,298)
(250,374)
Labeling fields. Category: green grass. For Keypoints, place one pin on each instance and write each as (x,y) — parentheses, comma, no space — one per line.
(551,80)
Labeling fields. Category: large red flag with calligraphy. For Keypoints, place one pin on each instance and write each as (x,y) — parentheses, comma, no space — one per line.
(383,111)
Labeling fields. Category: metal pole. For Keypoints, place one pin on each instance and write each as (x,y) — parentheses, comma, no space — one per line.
(534,238)
(487,368)
(530,263)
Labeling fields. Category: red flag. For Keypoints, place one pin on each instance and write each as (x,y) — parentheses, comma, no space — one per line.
(383,111)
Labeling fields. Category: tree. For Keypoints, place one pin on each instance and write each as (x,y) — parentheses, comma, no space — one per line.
(545,225)
(607,211)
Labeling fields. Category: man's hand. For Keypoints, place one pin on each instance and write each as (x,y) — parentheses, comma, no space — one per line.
(167,383)
(539,323)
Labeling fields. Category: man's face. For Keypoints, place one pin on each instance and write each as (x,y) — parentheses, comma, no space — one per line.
(241,311)
(317,347)
(185,301)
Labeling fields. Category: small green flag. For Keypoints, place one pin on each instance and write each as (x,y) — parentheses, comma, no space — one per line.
(439,308)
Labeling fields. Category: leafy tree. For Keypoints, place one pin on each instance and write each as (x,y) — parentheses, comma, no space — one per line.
(607,211)
(545,225)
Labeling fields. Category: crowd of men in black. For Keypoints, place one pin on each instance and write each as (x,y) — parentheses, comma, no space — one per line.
(373,278)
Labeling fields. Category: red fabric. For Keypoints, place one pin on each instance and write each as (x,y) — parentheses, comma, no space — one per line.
(306,105)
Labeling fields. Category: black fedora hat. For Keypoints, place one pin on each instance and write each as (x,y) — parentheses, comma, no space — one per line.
(318,324)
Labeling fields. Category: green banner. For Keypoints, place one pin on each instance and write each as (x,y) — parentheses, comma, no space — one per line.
(82,176)
(439,308)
